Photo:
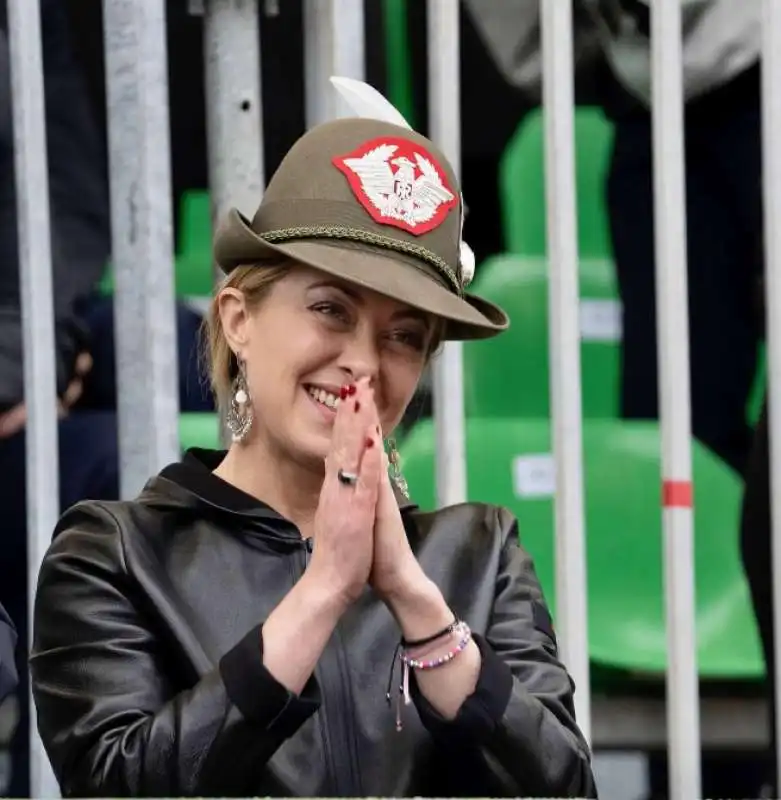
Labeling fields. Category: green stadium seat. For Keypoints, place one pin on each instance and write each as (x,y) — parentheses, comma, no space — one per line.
(510,464)
(508,375)
(194,264)
(522,184)
(199,429)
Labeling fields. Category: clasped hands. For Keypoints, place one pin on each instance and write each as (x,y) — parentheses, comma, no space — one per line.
(359,534)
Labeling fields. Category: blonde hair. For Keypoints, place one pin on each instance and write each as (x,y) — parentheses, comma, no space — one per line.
(254,281)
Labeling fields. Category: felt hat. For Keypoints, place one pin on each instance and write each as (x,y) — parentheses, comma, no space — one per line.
(376,205)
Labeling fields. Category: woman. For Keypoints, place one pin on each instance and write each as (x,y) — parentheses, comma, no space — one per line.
(232,630)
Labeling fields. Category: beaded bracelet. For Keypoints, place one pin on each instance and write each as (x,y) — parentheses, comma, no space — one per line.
(408,663)
(419,663)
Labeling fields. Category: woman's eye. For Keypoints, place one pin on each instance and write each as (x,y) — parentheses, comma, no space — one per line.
(412,339)
(334,310)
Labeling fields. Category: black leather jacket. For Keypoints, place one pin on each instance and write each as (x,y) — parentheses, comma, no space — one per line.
(147,660)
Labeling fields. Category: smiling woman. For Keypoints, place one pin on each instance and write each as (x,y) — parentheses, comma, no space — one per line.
(185,639)
(326,334)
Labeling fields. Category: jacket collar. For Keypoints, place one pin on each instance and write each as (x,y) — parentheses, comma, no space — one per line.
(195,473)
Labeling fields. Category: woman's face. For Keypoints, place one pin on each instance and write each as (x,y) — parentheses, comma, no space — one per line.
(312,335)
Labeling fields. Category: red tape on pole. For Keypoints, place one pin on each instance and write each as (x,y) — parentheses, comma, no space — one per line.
(677,494)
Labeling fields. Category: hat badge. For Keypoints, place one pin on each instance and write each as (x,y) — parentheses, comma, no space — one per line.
(398,183)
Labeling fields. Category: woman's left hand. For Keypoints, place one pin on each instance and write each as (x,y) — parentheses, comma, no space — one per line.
(396,572)
(418,606)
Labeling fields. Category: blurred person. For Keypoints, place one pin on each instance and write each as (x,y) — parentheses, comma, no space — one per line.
(78,196)
(88,467)
(8,676)
(721,52)
(233,630)
(756,552)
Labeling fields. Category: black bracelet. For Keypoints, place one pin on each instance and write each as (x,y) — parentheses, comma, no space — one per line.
(429,639)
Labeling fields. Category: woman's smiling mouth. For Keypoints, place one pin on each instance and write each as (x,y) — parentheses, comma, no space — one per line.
(324,398)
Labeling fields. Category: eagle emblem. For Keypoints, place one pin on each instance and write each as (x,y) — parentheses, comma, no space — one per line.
(399,184)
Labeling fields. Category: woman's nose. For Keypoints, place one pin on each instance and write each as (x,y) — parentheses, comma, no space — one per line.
(361,359)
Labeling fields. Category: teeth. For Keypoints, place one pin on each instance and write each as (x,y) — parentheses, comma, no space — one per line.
(326,398)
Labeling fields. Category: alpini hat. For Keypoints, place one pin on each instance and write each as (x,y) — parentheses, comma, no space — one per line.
(376,205)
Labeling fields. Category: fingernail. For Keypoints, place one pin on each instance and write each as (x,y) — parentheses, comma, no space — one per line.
(343,392)
(351,390)
(369,443)
(357,406)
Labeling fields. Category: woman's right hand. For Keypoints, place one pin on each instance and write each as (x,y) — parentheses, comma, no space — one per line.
(343,549)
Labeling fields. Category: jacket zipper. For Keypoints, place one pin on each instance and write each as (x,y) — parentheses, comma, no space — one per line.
(347,719)
(338,736)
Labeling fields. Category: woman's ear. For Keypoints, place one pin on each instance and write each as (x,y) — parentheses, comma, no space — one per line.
(234,317)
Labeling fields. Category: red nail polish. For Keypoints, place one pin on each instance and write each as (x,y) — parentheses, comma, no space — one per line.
(369,443)
(343,392)
(357,406)
(351,390)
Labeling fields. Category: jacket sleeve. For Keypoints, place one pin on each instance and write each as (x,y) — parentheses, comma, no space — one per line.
(521,714)
(111,719)
(8,676)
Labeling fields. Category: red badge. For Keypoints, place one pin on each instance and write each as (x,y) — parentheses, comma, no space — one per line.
(398,183)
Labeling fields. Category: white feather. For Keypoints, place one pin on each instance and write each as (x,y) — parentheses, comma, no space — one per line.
(366,101)
(466,261)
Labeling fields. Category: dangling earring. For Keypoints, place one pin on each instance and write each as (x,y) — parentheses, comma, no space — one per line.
(395,464)
(239,417)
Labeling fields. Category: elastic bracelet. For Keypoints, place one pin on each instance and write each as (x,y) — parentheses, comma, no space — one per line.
(406,644)
(408,663)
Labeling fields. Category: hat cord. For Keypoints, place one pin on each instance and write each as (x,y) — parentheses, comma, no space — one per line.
(366,237)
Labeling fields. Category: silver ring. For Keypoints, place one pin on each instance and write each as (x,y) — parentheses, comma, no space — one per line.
(347,478)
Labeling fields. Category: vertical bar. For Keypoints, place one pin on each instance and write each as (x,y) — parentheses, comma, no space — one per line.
(333,45)
(234,105)
(37,304)
(144,312)
(771,156)
(564,348)
(683,724)
(444,92)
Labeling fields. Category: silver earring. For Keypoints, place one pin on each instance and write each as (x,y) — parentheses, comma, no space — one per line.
(239,417)
(395,464)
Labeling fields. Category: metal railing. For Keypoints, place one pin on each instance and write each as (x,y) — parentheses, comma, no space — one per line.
(143,268)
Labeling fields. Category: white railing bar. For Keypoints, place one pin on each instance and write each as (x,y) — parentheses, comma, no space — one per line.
(683,718)
(141,221)
(37,304)
(444,102)
(334,44)
(771,157)
(234,106)
(564,348)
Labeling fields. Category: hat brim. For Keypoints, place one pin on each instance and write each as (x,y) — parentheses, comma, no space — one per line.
(385,272)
